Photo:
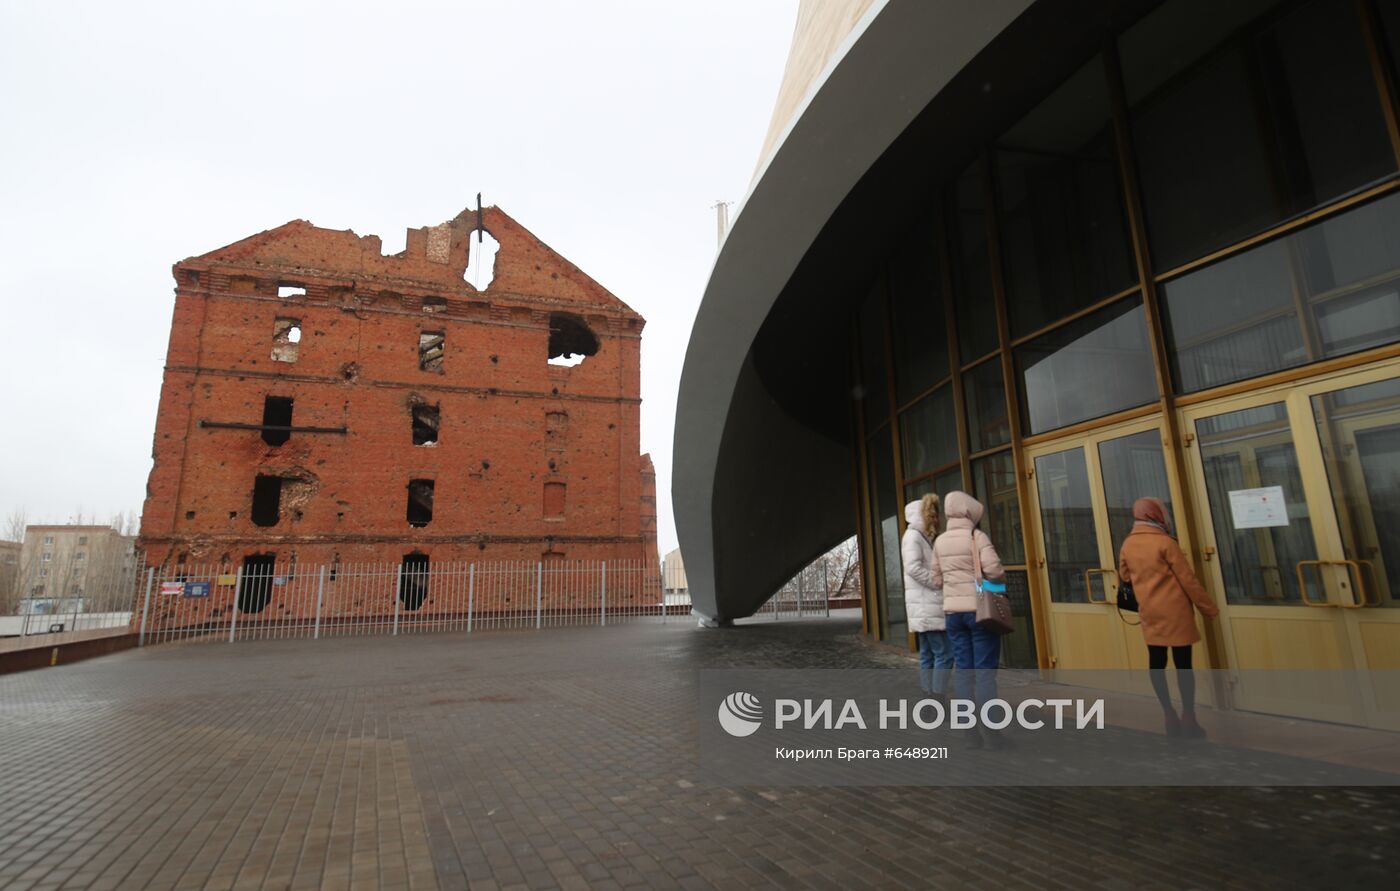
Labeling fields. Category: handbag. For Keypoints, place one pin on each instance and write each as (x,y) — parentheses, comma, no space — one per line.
(1127,601)
(993,606)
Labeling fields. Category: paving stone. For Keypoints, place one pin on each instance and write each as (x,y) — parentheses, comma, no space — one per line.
(564,758)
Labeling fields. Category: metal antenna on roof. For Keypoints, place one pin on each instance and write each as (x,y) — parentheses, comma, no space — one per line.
(480,225)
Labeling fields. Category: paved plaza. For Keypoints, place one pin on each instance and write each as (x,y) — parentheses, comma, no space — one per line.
(564,758)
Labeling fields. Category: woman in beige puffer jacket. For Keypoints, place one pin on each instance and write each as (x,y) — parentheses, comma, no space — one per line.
(923,603)
(976,651)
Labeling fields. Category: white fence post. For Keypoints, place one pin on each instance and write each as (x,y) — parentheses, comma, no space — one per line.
(603,609)
(320,597)
(233,619)
(398,591)
(539,592)
(799,592)
(146,607)
(471,593)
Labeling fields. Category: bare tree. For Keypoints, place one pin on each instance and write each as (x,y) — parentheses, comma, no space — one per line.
(14,525)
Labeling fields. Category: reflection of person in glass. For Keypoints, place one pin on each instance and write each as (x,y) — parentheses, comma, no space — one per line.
(923,601)
(1166,589)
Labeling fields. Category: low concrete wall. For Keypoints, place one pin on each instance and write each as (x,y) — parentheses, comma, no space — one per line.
(63,653)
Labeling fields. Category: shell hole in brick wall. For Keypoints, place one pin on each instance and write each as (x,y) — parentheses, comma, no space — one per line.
(570,339)
(413,581)
(286,339)
(481,271)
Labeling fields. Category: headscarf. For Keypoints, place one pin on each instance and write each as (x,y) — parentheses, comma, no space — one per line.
(1150,512)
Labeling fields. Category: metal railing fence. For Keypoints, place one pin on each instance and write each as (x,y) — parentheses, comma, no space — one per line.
(255,602)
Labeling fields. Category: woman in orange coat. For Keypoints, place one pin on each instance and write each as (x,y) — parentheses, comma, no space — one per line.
(1166,589)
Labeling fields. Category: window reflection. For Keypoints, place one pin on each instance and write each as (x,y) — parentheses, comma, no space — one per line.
(1133,467)
(1237,128)
(1239,318)
(1359,428)
(885,511)
(1243,451)
(949,480)
(920,326)
(929,433)
(1067,521)
(987,423)
(976,311)
(994,484)
(1090,367)
(1063,231)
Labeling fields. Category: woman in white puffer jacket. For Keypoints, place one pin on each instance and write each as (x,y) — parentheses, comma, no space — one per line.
(923,598)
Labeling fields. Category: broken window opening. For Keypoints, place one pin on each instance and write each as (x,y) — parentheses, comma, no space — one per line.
(267,500)
(286,340)
(434,304)
(290,289)
(413,581)
(554,500)
(425,425)
(255,585)
(431,347)
(420,502)
(481,270)
(277,412)
(570,339)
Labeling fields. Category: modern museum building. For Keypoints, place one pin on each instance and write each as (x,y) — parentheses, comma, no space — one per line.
(1062,255)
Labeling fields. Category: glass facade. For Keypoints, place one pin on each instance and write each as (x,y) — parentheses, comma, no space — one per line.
(1094,366)
(1326,290)
(1242,120)
(1064,232)
(1237,155)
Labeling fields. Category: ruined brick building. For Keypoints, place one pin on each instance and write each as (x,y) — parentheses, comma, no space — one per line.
(325,403)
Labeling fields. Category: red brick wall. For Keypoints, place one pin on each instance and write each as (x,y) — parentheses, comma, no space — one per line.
(357,367)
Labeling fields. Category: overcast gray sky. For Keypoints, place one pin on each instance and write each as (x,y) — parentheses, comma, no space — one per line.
(136,134)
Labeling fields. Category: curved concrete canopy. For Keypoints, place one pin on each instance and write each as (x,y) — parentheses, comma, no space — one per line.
(762,479)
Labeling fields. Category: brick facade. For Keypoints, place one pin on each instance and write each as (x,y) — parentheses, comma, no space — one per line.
(529,461)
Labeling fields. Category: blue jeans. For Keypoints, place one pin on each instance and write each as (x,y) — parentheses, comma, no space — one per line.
(976,652)
(935,658)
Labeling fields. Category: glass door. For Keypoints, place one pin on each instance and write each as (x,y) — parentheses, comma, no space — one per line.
(1084,490)
(1301,489)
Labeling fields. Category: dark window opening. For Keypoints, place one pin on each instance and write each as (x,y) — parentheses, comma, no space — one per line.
(255,586)
(431,346)
(554,500)
(267,500)
(434,304)
(570,339)
(277,412)
(420,502)
(413,581)
(425,424)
